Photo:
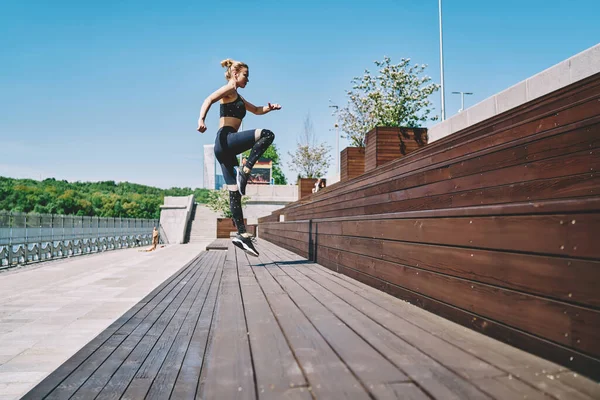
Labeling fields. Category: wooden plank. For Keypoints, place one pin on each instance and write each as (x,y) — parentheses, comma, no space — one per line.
(136,344)
(393,391)
(228,372)
(562,206)
(563,323)
(455,359)
(522,366)
(507,387)
(218,244)
(189,374)
(568,279)
(534,344)
(155,377)
(580,383)
(275,367)
(427,372)
(548,144)
(327,374)
(433,346)
(585,162)
(456,145)
(563,234)
(366,363)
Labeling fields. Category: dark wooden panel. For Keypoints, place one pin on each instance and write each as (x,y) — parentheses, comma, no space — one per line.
(305,187)
(352,163)
(418,187)
(508,206)
(567,279)
(385,144)
(225,226)
(533,344)
(563,323)
(562,206)
(571,141)
(533,371)
(481,143)
(564,235)
(414,362)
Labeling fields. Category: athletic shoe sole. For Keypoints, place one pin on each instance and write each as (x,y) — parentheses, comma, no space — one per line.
(240,244)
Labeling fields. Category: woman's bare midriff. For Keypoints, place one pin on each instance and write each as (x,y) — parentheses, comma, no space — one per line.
(230,121)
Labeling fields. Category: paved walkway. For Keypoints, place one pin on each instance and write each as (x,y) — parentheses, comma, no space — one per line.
(51,310)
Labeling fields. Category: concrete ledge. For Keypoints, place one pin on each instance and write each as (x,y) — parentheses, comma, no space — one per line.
(576,68)
(174,217)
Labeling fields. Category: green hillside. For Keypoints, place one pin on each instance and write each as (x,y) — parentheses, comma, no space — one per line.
(101,199)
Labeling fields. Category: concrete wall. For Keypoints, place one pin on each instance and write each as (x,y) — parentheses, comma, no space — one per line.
(578,67)
(209,166)
(267,198)
(174,216)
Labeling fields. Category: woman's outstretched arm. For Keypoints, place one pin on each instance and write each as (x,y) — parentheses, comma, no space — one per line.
(261,110)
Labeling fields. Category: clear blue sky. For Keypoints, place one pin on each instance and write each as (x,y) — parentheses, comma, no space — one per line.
(111,90)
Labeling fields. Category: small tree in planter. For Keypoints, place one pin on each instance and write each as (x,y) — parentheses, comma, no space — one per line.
(398,96)
(218,201)
(311,158)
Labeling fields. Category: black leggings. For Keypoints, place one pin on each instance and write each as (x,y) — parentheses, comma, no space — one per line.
(228,145)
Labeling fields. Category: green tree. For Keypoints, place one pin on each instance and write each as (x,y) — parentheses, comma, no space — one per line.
(103,199)
(397,96)
(218,201)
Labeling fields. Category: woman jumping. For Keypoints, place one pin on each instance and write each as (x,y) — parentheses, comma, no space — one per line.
(229,142)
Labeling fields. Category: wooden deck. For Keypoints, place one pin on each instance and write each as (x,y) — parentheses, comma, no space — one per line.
(280,327)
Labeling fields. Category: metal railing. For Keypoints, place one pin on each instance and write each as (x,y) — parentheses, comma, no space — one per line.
(26,238)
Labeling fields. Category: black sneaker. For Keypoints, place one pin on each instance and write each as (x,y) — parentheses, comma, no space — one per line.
(245,243)
(242,181)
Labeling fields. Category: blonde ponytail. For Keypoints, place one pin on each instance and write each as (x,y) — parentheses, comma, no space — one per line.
(232,66)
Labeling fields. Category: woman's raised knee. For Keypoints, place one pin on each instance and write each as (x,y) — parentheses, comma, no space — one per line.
(267,134)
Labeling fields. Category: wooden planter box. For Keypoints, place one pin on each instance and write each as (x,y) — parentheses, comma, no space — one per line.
(224,227)
(352,163)
(384,144)
(305,186)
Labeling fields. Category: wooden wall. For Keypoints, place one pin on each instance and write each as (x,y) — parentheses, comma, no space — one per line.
(225,226)
(385,144)
(306,186)
(495,227)
(352,163)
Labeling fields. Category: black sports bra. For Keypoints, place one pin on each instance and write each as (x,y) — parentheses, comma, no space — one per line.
(236,109)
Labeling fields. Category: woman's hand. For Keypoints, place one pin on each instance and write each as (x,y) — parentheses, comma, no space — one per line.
(201,126)
(274,106)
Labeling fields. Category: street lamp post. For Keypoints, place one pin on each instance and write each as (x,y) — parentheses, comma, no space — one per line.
(442,65)
(337,139)
(462,99)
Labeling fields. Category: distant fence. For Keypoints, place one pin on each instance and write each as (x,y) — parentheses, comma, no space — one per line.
(26,238)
